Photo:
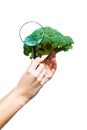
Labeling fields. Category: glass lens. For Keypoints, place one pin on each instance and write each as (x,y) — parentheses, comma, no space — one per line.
(31,33)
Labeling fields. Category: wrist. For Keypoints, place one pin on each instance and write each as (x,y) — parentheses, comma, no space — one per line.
(20,100)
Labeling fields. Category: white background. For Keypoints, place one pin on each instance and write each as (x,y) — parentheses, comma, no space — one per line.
(62,103)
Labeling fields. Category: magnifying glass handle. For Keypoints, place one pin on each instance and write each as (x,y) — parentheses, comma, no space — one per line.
(34,51)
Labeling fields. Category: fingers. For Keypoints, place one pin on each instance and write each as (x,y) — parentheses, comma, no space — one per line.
(53,60)
(52,55)
(53,66)
(36,68)
(34,63)
(39,69)
(50,61)
(44,80)
(43,70)
(42,75)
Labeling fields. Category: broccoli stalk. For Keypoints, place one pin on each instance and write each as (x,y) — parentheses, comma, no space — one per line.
(52,39)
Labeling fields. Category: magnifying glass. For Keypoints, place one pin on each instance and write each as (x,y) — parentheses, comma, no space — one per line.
(29,36)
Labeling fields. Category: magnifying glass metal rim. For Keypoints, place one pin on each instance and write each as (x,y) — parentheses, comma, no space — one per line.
(24,25)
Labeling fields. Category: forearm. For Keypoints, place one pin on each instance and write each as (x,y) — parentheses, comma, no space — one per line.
(9,105)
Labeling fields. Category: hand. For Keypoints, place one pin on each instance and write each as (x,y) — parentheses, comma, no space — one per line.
(36,75)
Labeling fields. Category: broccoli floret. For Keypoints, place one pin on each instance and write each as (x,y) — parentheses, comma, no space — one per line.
(52,39)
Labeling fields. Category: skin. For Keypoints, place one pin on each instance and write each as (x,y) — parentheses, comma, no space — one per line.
(36,75)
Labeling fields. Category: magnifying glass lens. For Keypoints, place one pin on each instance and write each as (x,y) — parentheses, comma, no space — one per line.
(31,33)
(35,38)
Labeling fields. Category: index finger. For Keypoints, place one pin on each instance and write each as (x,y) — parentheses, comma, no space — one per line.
(34,63)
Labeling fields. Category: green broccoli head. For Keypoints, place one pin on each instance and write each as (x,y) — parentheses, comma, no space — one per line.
(52,39)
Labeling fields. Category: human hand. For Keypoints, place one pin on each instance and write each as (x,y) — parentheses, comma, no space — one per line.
(36,75)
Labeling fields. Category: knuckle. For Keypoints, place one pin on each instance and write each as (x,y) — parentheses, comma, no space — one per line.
(41,84)
(48,77)
(39,81)
(35,77)
(29,72)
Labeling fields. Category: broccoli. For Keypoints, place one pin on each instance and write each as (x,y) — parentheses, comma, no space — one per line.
(52,40)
